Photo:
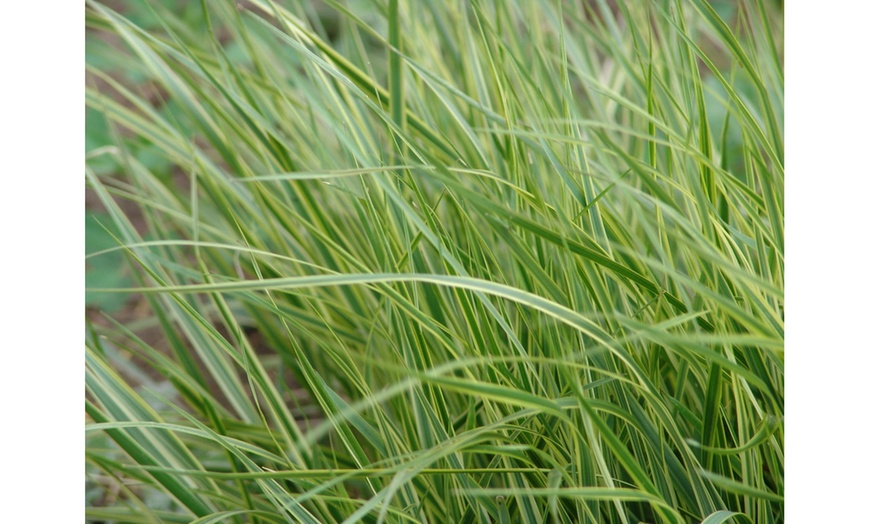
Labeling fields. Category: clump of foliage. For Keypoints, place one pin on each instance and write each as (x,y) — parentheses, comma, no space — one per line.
(422,261)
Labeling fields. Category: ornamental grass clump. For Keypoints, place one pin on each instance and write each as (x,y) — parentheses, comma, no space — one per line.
(433,262)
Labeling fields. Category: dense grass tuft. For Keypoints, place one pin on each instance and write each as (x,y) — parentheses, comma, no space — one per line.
(420,261)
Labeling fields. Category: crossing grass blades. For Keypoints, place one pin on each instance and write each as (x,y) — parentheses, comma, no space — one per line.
(425,262)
